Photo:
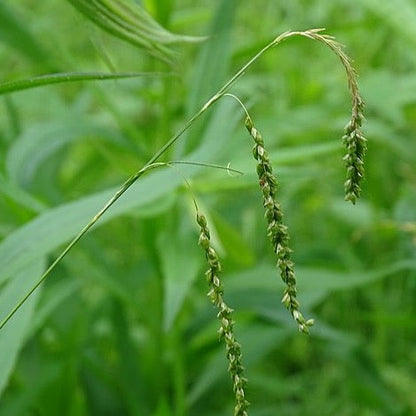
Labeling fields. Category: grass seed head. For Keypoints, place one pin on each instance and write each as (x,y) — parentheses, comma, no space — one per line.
(226,330)
(276,230)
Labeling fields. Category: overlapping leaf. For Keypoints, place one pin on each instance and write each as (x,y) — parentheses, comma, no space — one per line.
(133,24)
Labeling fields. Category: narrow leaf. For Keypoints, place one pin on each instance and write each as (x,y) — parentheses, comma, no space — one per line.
(130,22)
(180,265)
(59,78)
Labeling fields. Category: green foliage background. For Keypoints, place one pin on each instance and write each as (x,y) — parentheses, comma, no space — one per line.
(123,325)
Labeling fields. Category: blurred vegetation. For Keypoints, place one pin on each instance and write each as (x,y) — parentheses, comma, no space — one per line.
(123,325)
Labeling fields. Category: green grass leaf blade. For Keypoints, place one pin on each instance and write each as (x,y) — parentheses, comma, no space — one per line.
(52,228)
(213,61)
(56,226)
(52,298)
(315,279)
(314,283)
(20,196)
(12,337)
(131,24)
(65,77)
(180,265)
(38,144)
(258,342)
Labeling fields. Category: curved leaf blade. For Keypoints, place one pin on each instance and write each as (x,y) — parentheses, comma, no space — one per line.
(133,25)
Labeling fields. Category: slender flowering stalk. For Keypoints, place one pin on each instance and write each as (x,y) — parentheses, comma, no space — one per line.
(226,331)
(353,139)
(276,230)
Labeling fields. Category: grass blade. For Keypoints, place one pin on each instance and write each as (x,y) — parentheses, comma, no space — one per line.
(131,24)
(12,338)
(64,77)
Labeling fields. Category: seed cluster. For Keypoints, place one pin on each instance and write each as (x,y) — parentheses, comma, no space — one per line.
(276,230)
(226,331)
(353,138)
(356,148)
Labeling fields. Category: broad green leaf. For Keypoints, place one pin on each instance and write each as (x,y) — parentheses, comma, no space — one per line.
(131,378)
(39,142)
(210,69)
(288,155)
(52,228)
(181,260)
(95,271)
(52,298)
(362,216)
(313,280)
(313,284)
(46,377)
(232,242)
(305,152)
(131,22)
(13,335)
(17,194)
(257,342)
(64,77)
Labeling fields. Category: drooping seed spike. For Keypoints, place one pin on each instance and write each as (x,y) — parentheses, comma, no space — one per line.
(276,230)
(226,330)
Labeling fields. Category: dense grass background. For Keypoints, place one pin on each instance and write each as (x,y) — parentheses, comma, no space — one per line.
(123,325)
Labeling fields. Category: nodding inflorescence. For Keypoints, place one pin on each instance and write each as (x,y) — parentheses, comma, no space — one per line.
(356,146)
(353,139)
(226,331)
(276,230)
